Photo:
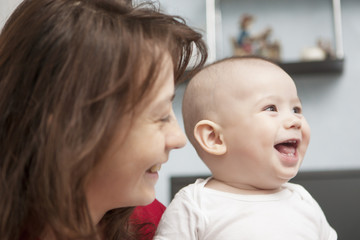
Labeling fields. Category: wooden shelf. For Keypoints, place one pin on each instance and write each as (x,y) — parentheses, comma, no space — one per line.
(326,66)
(333,66)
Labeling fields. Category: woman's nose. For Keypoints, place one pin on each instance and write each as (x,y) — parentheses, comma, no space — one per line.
(176,136)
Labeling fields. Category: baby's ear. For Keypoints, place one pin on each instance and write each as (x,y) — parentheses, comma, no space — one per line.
(209,135)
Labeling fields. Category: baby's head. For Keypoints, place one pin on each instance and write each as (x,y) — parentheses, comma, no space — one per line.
(244,118)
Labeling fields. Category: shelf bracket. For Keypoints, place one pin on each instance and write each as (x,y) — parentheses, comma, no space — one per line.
(210,29)
(338,29)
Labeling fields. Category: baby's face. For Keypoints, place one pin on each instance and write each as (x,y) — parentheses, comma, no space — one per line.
(264,129)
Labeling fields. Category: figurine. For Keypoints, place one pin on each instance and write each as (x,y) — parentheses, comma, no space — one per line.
(325,45)
(322,51)
(247,44)
(245,40)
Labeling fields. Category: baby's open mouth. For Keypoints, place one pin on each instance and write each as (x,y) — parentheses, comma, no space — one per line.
(288,147)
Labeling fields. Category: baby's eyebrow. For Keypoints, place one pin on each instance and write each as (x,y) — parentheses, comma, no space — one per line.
(298,99)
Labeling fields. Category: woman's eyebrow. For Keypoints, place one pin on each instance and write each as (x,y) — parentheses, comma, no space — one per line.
(164,101)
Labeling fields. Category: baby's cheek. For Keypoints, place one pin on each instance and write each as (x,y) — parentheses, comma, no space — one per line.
(306,131)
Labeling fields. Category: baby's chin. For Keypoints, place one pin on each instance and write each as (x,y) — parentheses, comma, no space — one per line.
(274,182)
(286,177)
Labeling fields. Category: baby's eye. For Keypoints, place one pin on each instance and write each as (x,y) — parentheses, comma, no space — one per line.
(297,110)
(271,108)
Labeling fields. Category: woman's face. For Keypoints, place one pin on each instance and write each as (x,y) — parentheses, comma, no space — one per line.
(128,173)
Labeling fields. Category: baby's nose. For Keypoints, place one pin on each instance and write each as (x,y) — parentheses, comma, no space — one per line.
(293,122)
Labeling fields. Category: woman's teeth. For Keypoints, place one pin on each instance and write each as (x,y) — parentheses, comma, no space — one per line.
(155,168)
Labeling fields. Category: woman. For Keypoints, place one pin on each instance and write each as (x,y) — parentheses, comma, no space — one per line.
(86,117)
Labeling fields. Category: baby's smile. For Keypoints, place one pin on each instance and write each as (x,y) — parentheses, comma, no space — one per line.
(287,147)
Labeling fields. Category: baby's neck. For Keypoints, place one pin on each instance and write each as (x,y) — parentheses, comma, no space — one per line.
(238,188)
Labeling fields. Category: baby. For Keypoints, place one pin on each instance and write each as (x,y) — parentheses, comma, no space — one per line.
(244,118)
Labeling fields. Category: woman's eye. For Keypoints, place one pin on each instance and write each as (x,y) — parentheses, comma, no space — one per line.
(297,109)
(271,108)
(165,119)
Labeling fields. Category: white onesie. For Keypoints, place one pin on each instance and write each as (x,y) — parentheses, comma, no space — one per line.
(198,212)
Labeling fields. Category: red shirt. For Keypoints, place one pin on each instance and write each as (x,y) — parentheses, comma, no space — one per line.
(148,214)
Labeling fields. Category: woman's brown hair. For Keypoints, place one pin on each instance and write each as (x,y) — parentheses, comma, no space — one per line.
(69,70)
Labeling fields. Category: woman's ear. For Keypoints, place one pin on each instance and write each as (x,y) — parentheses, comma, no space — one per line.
(209,135)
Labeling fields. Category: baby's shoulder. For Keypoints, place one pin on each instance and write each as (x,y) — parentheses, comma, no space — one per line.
(299,190)
(192,191)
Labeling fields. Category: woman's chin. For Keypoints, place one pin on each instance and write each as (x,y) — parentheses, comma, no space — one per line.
(146,198)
